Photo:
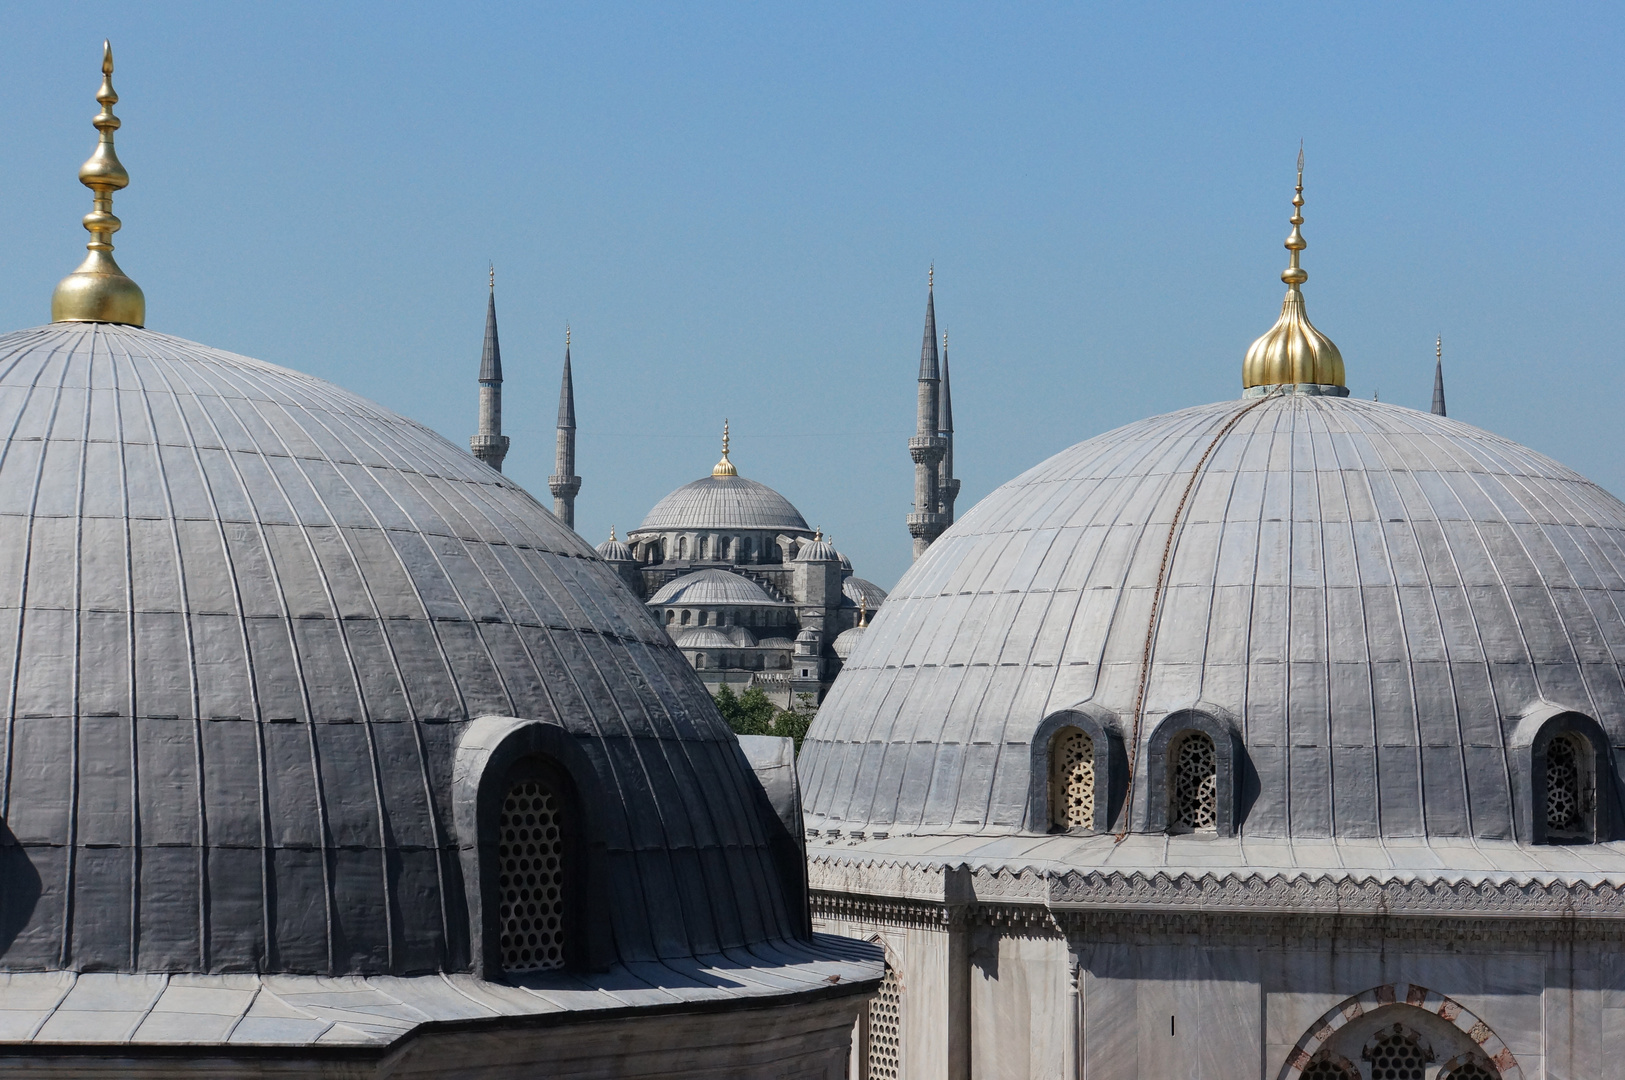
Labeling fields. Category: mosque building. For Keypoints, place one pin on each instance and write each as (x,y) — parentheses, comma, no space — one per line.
(329,751)
(1275,738)
(751,594)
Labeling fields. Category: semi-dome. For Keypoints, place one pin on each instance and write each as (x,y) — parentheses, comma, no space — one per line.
(1363,595)
(847,640)
(860,592)
(713,588)
(705,637)
(252,621)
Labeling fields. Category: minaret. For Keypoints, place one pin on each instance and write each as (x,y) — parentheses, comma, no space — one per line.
(490,445)
(947,482)
(926,447)
(98,291)
(1438,377)
(564,483)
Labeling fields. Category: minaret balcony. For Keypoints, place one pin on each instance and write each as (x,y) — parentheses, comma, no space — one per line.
(564,487)
(927,449)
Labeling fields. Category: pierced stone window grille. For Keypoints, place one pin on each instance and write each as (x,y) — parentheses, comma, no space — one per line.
(531,886)
(1397,1054)
(1329,1066)
(1472,1070)
(1195,775)
(1072,780)
(886,1029)
(1567,788)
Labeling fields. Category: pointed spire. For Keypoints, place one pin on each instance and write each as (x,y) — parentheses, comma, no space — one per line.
(928,349)
(567,390)
(1438,376)
(724,467)
(1293,352)
(947,483)
(98,291)
(491,353)
(564,483)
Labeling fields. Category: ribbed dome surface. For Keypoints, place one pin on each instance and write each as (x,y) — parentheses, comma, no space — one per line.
(1377,594)
(712,588)
(246,616)
(724,502)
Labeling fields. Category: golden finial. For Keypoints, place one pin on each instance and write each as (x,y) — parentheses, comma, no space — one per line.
(567,336)
(724,467)
(863,610)
(99,291)
(493,277)
(1293,352)
(931,276)
(1438,349)
(612,533)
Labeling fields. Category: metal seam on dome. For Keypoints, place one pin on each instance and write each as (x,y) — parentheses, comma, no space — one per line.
(1156,605)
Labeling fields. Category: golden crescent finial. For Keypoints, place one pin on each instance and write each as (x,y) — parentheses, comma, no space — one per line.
(863,609)
(566,335)
(98,291)
(931,276)
(612,532)
(493,277)
(1438,348)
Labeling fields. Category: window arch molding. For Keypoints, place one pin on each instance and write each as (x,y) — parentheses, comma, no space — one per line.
(1111,764)
(493,753)
(1229,765)
(1532,744)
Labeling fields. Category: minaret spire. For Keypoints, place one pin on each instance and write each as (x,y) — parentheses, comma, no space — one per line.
(99,291)
(1438,376)
(564,483)
(489,444)
(947,482)
(927,447)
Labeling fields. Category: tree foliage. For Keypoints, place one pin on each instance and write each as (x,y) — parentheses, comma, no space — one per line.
(751,713)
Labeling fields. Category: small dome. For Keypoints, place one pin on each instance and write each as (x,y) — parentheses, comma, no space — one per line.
(846,563)
(742,637)
(705,637)
(613,550)
(818,550)
(725,502)
(776,643)
(847,640)
(712,588)
(855,591)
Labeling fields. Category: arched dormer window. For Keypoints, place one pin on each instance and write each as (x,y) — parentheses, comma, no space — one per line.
(1193,775)
(1570,795)
(1078,771)
(1072,780)
(1570,792)
(1196,761)
(524,844)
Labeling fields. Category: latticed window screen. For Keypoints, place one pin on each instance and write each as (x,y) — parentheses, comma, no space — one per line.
(886,1029)
(1072,780)
(1396,1054)
(1196,783)
(1328,1066)
(531,854)
(1565,806)
(1472,1070)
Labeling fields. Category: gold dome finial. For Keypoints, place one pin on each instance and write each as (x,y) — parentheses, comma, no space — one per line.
(99,291)
(493,277)
(724,467)
(931,276)
(1293,352)
(612,532)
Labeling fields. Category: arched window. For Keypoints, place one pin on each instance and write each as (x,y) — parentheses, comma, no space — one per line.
(1193,769)
(671,616)
(1570,788)
(530,859)
(1072,780)
(1471,1069)
(685,617)
(1397,1053)
(682,547)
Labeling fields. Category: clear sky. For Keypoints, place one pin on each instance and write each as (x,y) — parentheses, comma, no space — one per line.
(735,206)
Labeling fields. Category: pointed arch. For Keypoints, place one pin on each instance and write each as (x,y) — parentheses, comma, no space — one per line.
(1469,1029)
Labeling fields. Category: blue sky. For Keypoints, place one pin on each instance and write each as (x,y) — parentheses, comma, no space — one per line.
(734,206)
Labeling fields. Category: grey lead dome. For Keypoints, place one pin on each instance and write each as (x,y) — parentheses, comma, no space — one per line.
(244,617)
(1376,595)
(724,502)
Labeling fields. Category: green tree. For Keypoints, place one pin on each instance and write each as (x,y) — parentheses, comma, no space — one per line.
(745,714)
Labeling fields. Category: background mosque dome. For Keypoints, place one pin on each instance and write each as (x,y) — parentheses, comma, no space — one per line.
(249,615)
(1366,596)
(712,588)
(613,550)
(705,637)
(847,640)
(860,591)
(817,550)
(724,502)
